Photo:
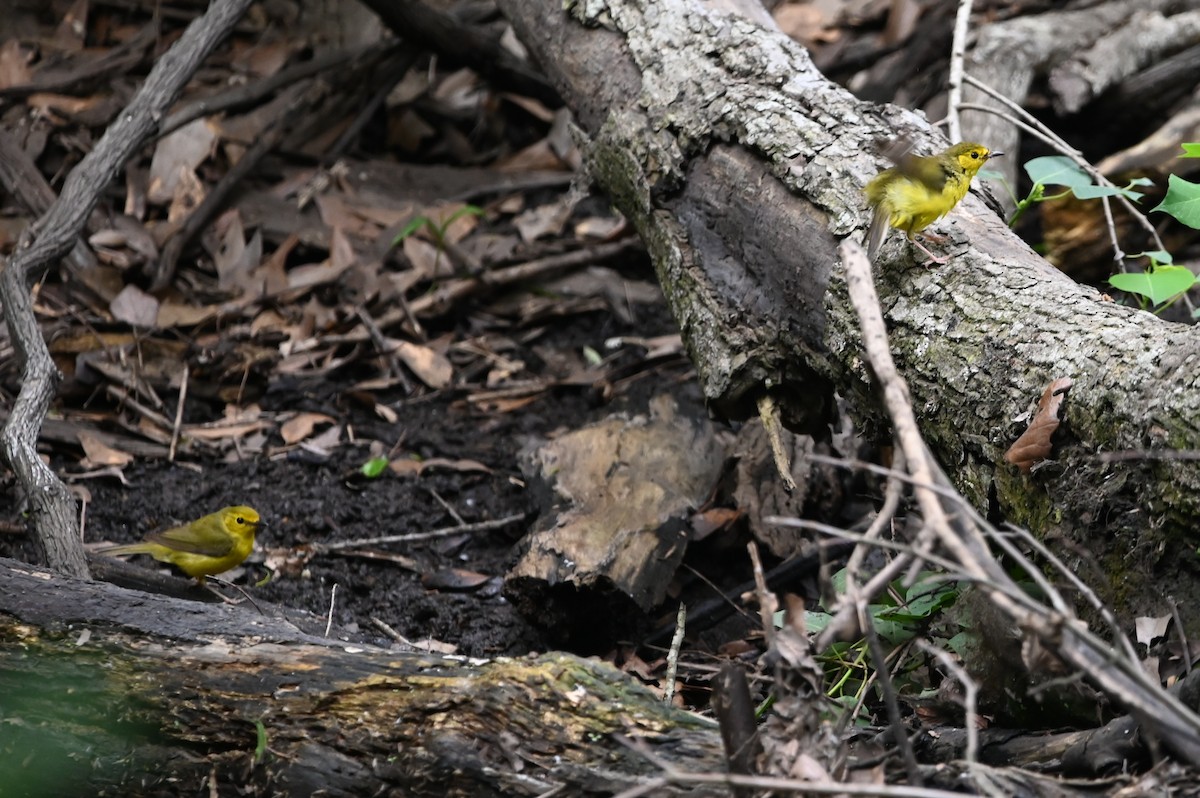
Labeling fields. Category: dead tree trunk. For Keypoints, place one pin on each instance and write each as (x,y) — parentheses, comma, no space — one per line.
(742,166)
(112,691)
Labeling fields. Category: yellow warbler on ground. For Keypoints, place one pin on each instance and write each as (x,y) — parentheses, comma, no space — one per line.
(919,190)
(207,546)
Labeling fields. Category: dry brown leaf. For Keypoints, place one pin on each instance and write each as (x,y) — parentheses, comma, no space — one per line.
(547,220)
(61,105)
(176,154)
(301,425)
(236,259)
(426,259)
(176,314)
(430,366)
(134,306)
(712,520)
(324,443)
(271,276)
(264,59)
(1035,445)
(454,579)
(455,231)
(537,157)
(1148,629)
(807,24)
(339,214)
(435,646)
(407,467)
(71,32)
(314,274)
(447,464)
(98,454)
(14,64)
(224,430)
(189,193)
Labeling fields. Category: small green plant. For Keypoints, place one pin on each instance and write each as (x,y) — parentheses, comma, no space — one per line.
(898,617)
(1163,283)
(1058,170)
(260,747)
(436,230)
(374,467)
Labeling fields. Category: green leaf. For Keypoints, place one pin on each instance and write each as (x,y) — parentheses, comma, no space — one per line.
(813,621)
(415,224)
(1182,201)
(1141,181)
(466,210)
(260,746)
(1096,192)
(1157,285)
(1190,150)
(1160,257)
(1057,170)
(591,356)
(374,467)
(893,632)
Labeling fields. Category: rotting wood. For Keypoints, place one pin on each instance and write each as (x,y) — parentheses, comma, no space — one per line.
(112,689)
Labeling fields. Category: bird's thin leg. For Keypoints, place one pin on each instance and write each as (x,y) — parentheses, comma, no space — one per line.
(938,259)
(228,600)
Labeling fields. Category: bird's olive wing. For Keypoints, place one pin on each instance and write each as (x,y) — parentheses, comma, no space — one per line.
(928,171)
(204,536)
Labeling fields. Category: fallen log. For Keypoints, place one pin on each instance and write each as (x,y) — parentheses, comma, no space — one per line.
(114,691)
(741,166)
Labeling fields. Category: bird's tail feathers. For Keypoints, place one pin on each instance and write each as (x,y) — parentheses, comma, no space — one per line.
(129,548)
(878,232)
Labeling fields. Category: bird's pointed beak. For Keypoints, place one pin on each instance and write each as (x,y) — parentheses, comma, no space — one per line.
(992,155)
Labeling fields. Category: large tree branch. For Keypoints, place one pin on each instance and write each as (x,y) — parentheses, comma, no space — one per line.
(49,239)
(741,166)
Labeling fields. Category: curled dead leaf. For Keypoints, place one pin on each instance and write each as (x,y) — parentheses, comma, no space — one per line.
(1035,445)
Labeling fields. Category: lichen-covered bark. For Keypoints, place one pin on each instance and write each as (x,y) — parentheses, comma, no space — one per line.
(712,133)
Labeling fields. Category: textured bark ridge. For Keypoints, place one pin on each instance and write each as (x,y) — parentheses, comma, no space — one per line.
(741,166)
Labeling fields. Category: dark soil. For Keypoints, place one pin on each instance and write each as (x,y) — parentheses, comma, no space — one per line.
(306,498)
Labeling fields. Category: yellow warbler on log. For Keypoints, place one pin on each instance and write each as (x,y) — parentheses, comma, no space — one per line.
(919,190)
(205,547)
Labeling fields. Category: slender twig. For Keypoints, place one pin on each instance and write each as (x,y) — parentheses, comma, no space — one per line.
(251,93)
(183,389)
(970,696)
(480,526)
(332,603)
(958,51)
(673,654)
(879,660)
(1163,715)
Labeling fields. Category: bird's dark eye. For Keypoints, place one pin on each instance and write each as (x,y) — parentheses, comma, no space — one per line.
(241,520)
(975,154)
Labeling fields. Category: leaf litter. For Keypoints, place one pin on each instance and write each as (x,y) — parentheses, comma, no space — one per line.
(300,330)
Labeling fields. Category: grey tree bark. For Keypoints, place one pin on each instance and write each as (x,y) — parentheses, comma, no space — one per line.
(741,166)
